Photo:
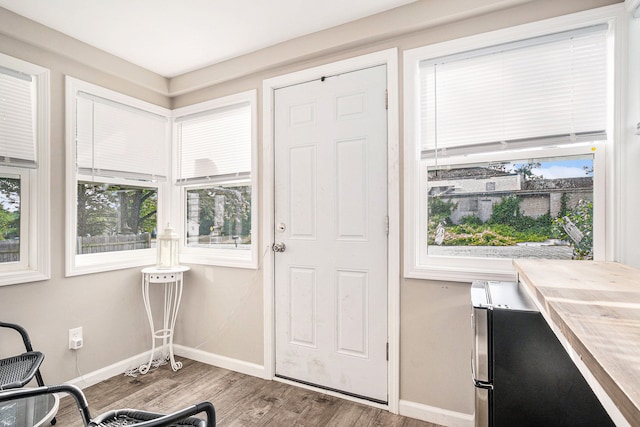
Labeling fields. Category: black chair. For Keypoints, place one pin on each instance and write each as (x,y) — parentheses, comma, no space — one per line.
(16,371)
(121,417)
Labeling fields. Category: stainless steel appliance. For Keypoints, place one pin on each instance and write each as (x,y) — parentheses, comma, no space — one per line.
(522,374)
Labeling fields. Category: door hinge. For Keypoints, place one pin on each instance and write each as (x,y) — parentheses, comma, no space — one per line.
(386,99)
(387,352)
(386,224)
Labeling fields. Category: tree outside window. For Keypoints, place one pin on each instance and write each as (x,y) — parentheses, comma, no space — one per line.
(115,217)
(219,216)
(9,219)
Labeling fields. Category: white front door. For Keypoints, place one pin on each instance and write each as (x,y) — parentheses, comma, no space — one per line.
(331,216)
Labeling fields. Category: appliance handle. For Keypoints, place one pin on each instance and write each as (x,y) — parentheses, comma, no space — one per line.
(483,384)
(480,349)
(479,383)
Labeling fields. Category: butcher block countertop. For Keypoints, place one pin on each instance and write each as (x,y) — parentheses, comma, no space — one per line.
(596,308)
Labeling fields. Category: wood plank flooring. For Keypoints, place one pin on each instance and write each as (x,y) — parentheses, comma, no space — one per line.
(240,400)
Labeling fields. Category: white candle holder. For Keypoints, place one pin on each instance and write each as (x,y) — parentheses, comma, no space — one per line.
(167,245)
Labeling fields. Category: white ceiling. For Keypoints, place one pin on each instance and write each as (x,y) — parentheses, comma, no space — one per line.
(171,37)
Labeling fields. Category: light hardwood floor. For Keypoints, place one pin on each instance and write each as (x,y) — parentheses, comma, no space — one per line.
(240,400)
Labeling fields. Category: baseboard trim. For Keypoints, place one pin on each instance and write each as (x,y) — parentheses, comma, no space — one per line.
(91,378)
(435,415)
(220,361)
(107,372)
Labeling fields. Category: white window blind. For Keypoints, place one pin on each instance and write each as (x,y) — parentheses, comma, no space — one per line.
(17,119)
(117,140)
(215,145)
(546,88)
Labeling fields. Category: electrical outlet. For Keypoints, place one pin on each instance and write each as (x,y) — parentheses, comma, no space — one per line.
(75,338)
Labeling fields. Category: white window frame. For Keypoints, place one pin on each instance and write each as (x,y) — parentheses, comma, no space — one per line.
(605,186)
(215,256)
(35,235)
(92,263)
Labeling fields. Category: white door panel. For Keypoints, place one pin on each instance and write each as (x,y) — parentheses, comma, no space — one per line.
(330,197)
(351,189)
(302,192)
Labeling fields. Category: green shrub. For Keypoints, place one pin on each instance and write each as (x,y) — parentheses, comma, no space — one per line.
(440,210)
(471,220)
(507,212)
(479,238)
(582,217)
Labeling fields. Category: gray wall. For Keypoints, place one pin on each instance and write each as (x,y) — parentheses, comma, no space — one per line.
(222,307)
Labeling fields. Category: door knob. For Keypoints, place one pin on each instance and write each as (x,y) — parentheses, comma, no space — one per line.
(278,247)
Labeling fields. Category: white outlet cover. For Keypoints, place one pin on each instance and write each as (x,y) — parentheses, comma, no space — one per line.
(75,338)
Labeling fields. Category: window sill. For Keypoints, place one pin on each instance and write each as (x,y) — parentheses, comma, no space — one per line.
(109,261)
(22,276)
(458,274)
(233,260)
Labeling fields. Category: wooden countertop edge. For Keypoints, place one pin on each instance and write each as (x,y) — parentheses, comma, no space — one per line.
(628,408)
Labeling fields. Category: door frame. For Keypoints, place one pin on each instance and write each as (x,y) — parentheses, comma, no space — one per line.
(389,58)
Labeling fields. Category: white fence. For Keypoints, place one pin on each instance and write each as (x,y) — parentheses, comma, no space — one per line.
(9,250)
(118,242)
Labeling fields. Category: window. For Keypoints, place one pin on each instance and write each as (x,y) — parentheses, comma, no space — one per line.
(540,207)
(219,216)
(115,217)
(14,229)
(506,138)
(118,148)
(215,145)
(24,172)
